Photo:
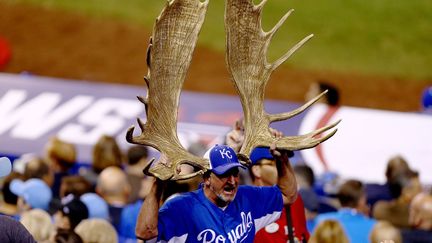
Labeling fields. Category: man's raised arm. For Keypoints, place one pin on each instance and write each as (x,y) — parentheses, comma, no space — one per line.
(147,223)
(286,179)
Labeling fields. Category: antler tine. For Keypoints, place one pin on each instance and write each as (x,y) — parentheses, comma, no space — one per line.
(308,140)
(287,115)
(169,55)
(260,6)
(273,31)
(289,53)
(247,47)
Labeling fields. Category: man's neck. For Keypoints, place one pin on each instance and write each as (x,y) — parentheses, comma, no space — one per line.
(259,182)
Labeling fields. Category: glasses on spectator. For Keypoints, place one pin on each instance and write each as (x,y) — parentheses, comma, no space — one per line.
(268,162)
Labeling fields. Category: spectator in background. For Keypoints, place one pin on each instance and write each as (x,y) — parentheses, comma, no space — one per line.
(106,153)
(314,204)
(292,221)
(9,204)
(11,230)
(384,232)
(353,214)
(316,88)
(38,223)
(75,185)
(420,219)
(427,100)
(97,206)
(61,157)
(33,193)
(331,99)
(396,166)
(404,188)
(71,213)
(114,188)
(67,236)
(137,157)
(329,231)
(37,168)
(421,212)
(96,231)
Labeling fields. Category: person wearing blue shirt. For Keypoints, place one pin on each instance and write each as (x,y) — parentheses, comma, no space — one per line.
(220,210)
(353,214)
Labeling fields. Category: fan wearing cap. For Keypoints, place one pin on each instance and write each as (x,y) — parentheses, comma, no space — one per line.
(71,213)
(11,230)
(32,193)
(221,210)
(263,172)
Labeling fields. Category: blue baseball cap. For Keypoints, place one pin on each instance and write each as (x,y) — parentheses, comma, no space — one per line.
(260,153)
(222,158)
(97,206)
(34,191)
(5,166)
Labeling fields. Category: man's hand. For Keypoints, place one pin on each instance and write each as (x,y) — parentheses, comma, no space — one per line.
(286,179)
(235,137)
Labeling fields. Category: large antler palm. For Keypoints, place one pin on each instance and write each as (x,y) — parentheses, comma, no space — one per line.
(168,58)
(247,46)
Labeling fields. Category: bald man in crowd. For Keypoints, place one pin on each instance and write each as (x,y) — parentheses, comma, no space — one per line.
(114,188)
(420,218)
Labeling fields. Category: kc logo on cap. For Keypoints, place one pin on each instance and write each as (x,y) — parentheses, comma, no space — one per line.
(225,152)
(222,158)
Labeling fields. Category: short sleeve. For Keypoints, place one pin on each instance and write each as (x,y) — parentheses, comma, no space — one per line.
(170,225)
(267,204)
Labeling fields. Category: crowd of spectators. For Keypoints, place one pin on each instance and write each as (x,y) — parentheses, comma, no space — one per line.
(56,202)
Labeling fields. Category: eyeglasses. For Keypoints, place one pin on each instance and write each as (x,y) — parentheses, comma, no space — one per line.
(269,162)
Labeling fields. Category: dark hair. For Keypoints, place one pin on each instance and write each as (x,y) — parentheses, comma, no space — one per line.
(75,210)
(401,181)
(8,196)
(76,185)
(350,193)
(332,95)
(67,236)
(305,172)
(136,153)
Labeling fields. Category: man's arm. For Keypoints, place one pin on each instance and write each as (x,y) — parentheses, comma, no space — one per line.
(286,180)
(147,223)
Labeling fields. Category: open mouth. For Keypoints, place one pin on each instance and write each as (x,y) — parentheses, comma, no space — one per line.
(229,189)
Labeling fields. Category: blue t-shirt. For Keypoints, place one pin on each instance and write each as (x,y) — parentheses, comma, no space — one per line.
(191,217)
(356,225)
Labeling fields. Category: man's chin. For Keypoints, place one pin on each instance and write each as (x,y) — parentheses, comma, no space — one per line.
(228,197)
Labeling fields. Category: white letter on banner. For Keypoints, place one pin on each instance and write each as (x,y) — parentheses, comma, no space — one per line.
(36,117)
(106,116)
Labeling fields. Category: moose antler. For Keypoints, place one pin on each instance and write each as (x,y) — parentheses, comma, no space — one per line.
(247,46)
(168,57)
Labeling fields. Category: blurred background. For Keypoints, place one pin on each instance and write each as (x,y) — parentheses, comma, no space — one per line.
(70,71)
(376,55)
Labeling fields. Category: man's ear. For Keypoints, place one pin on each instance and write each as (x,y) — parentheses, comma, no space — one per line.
(256,171)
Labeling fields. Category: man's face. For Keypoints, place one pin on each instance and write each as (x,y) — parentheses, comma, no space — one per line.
(223,188)
(267,172)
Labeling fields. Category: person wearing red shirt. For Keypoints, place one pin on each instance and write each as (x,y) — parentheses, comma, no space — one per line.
(263,172)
